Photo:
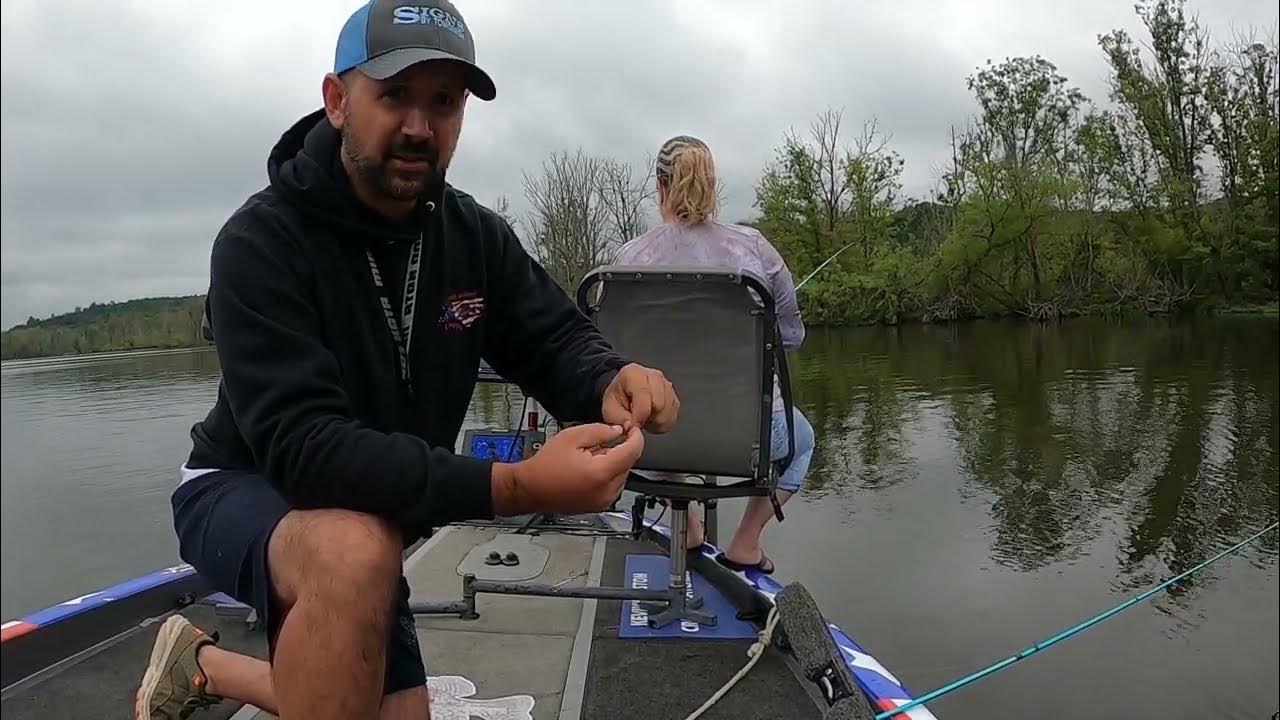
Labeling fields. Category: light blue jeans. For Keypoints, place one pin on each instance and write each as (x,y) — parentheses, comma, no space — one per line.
(795,472)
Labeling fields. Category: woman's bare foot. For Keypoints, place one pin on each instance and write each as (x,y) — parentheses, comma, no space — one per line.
(697,532)
(745,549)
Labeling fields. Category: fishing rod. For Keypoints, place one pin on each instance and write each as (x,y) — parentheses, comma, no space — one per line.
(1075,629)
(834,255)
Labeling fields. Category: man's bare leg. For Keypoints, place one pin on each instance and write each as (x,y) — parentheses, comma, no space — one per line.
(238,677)
(333,575)
(247,679)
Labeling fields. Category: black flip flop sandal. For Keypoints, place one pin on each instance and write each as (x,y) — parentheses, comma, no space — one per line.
(743,567)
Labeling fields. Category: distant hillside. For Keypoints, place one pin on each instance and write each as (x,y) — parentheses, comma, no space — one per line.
(163,322)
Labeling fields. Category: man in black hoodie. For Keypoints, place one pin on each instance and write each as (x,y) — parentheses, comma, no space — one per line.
(351,302)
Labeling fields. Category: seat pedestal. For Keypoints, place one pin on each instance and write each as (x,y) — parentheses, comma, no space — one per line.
(681,603)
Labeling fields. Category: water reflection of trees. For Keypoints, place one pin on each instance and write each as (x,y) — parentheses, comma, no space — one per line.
(125,371)
(861,412)
(1166,427)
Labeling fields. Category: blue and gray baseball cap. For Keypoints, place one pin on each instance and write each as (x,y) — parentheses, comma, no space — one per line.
(384,37)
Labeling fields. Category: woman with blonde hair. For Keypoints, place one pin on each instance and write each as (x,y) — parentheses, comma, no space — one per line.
(689,234)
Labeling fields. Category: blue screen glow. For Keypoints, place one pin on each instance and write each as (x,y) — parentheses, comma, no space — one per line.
(497,447)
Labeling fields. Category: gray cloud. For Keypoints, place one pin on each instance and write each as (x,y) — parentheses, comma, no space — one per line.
(131,129)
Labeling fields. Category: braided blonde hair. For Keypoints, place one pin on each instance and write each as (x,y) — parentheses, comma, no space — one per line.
(687,179)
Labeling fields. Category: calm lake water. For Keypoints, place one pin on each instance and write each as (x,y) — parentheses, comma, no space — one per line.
(976,488)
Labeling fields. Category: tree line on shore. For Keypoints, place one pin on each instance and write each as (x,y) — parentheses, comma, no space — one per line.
(1165,200)
(164,322)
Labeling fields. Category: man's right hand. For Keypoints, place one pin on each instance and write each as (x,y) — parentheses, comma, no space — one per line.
(574,472)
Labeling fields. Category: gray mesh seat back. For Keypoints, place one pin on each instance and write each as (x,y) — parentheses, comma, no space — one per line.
(707,330)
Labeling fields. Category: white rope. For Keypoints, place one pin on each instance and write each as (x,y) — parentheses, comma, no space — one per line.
(763,638)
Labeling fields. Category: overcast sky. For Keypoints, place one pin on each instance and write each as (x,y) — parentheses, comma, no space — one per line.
(132,129)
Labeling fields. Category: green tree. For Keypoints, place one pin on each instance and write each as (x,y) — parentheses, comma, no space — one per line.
(1013,171)
(821,196)
(102,327)
(1163,100)
(1242,95)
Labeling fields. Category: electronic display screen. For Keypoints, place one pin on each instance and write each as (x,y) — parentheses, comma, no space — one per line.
(498,447)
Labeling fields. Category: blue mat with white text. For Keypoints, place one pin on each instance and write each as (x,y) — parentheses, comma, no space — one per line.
(650,572)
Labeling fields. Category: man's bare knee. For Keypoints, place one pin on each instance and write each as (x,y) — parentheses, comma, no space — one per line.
(322,550)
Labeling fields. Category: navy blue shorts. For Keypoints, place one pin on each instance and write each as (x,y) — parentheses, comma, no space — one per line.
(224,520)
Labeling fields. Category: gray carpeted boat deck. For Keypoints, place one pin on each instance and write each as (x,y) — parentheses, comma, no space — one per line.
(672,677)
(555,658)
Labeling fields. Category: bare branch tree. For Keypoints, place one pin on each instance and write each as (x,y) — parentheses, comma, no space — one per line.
(582,208)
(627,195)
(502,206)
(567,222)
(833,182)
(871,179)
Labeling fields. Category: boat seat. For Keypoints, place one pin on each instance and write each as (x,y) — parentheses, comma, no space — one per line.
(713,332)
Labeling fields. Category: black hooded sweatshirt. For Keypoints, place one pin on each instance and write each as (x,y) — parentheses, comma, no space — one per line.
(312,396)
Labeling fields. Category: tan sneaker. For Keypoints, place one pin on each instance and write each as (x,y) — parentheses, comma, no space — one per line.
(173,686)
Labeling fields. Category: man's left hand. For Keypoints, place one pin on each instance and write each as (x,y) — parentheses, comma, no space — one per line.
(641,396)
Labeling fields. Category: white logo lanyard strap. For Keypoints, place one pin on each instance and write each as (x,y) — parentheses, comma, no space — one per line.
(401,328)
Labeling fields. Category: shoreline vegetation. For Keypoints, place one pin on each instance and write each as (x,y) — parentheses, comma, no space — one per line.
(161,323)
(1164,200)
(173,323)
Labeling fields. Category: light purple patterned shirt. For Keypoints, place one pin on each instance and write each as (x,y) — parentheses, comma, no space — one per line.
(722,245)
